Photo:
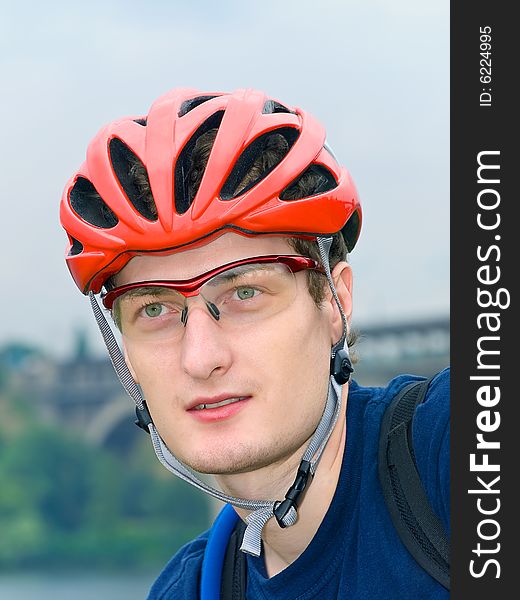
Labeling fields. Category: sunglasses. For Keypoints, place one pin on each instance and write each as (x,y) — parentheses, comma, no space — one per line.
(241,291)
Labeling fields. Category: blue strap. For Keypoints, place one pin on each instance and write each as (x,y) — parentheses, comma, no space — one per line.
(215,553)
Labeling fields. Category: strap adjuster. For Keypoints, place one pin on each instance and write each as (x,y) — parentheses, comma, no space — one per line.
(293,496)
(143,417)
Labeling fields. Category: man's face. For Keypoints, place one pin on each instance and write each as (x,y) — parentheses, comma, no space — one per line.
(279,366)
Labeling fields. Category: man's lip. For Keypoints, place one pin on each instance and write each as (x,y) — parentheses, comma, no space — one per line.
(214,399)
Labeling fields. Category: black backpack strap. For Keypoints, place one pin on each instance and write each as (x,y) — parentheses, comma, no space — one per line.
(234,575)
(419,528)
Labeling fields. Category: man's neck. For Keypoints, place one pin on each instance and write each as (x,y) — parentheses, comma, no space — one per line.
(283,546)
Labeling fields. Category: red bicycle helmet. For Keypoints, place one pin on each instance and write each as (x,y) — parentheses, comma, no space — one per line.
(108,223)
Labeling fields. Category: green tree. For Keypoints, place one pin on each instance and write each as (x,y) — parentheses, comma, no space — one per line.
(66,503)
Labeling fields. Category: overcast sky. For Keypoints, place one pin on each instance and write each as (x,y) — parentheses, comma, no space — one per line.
(375,72)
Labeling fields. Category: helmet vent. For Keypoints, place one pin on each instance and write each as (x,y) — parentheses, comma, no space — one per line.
(88,204)
(316,179)
(76,247)
(188,105)
(258,160)
(271,106)
(351,229)
(190,166)
(133,178)
(142,121)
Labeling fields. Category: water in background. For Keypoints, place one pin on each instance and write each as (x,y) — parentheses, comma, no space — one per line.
(79,587)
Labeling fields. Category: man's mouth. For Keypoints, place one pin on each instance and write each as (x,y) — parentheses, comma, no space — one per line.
(218,404)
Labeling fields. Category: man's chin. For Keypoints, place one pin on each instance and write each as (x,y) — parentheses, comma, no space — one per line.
(237,461)
(217,468)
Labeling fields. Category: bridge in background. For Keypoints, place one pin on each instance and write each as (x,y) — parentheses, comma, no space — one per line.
(420,347)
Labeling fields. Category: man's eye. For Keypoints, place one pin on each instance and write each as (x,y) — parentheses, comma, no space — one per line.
(245,293)
(154,310)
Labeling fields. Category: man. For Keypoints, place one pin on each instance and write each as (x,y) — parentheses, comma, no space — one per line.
(216,229)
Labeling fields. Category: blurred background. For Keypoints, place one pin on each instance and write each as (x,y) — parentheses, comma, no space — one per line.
(85,509)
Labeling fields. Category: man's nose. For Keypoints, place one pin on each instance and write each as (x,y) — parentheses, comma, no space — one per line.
(205,347)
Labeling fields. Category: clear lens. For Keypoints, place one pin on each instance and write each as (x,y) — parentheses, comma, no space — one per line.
(243,294)
(149,312)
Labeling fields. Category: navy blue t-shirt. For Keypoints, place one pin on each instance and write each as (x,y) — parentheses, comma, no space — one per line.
(356,553)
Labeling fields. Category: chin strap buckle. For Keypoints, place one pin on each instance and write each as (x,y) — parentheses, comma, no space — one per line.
(293,496)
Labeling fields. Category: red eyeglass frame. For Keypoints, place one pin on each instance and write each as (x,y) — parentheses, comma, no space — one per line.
(190,287)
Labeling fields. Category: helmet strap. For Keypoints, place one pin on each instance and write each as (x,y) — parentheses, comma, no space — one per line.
(340,363)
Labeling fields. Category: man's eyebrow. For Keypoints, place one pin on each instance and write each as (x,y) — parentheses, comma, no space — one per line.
(151,290)
(237,272)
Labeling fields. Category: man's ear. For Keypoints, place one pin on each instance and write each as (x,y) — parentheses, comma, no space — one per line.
(342,277)
(128,362)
